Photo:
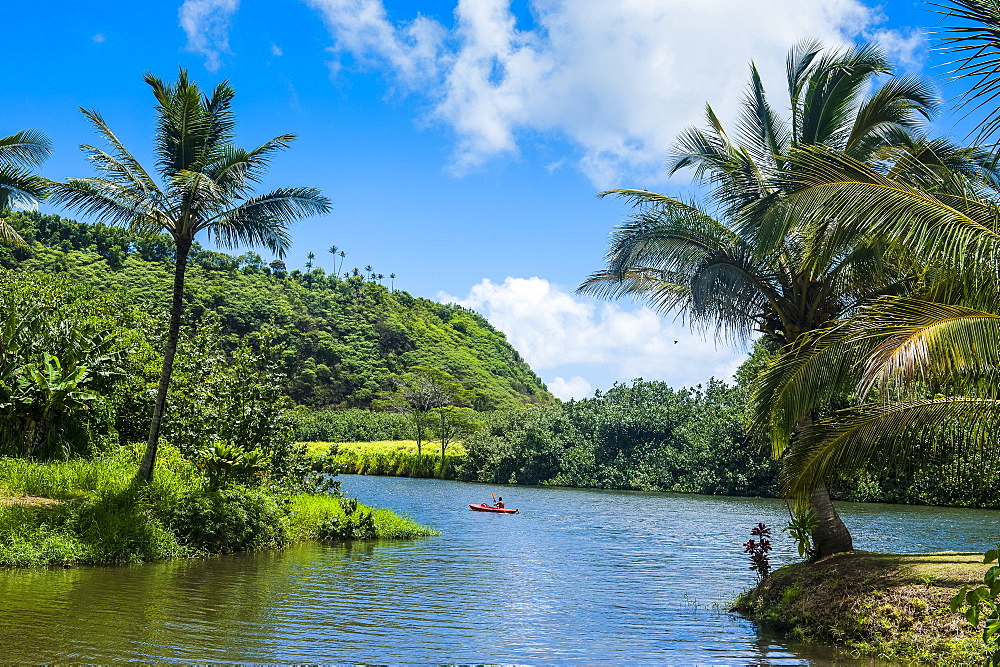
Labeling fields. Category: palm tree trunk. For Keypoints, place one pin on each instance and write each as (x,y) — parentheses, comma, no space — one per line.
(831,535)
(145,473)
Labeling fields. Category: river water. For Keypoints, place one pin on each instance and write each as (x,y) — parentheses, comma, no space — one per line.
(578,575)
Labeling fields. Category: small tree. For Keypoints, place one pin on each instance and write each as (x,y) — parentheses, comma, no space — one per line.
(452,423)
(420,391)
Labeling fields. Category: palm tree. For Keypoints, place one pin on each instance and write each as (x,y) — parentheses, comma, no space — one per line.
(309,261)
(19,152)
(333,251)
(205,184)
(751,265)
(368,270)
(342,256)
(392,282)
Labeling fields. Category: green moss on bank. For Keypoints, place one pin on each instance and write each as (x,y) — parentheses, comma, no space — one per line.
(887,606)
(88,511)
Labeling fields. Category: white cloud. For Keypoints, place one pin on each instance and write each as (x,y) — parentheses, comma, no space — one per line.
(557,331)
(617,79)
(575,387)
(99,38)
(276,50)
(908,48)
(362,29)
(206,23)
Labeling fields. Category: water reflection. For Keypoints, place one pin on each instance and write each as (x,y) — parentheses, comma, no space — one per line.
(578,575)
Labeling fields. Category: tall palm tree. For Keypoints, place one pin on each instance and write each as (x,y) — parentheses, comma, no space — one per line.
(392,282)
(342,256)
(309,260)
(19,153)
(206,184)
(750,265)
(333,252)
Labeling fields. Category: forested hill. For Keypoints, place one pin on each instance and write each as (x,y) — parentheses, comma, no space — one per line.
(345,335)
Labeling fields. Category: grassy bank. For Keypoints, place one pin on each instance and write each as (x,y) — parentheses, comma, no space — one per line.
(88,511)
(889,606)
(392,458)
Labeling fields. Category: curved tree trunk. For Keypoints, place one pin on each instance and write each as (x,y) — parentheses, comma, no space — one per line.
(145,473)
(831,535)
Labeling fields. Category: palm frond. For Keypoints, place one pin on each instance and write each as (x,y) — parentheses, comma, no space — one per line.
(264,220)
(27,148)
(975,41)
(891,435)
(119,164)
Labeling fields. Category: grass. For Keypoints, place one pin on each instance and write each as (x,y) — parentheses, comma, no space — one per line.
(89,511)
(392,458)
(887,606)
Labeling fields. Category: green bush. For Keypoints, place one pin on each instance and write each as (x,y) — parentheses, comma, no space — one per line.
(227,520)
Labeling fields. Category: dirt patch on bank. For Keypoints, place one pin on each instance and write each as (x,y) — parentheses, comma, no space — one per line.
(28,501)
(893,606)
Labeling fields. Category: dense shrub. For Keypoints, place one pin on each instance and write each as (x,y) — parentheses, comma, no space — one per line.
(227,520)
(351,425)
(89,511)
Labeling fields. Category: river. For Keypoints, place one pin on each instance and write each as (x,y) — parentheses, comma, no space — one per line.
(577,575)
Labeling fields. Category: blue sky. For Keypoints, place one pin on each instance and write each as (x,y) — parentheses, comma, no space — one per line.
(462,142)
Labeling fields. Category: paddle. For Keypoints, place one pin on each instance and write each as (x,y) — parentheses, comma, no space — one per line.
(494,498)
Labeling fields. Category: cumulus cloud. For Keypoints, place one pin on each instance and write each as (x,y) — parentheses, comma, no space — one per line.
(554,329)
(617,79)
(206,24)
(908,48)
(362,29)
(575,387)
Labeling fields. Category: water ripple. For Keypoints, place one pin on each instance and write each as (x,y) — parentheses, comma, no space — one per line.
(578,576)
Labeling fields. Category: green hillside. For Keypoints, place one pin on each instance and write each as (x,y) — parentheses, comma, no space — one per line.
(345,336)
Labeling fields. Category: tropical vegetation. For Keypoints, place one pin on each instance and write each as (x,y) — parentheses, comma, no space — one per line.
(206,185)
(345,338)
(748,265)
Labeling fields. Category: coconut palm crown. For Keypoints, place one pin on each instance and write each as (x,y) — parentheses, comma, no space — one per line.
(748,265)
(205,184)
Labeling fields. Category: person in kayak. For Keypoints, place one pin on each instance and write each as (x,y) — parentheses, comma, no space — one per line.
(499,503)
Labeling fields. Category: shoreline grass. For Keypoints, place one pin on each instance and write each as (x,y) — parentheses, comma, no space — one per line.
(390,458)
(887,606)
(88,511)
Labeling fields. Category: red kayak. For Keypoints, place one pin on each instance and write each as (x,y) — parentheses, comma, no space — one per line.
(483,507)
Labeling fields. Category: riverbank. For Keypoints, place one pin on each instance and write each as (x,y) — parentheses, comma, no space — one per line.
(889,606)
(88,511)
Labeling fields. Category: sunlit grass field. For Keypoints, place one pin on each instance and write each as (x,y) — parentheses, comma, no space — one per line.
(392,458)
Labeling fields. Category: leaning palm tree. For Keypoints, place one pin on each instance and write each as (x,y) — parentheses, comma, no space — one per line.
(748,265)
(206,184)
(924,368)
(19,153)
